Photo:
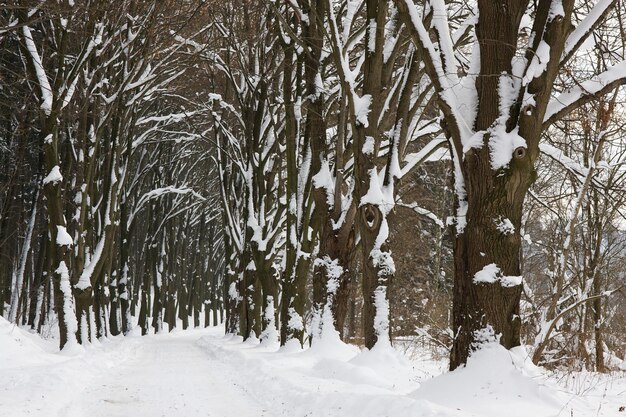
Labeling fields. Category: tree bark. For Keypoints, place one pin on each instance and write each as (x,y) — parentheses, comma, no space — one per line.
(482,310)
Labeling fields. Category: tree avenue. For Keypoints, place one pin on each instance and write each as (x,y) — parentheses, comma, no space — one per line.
(309,171)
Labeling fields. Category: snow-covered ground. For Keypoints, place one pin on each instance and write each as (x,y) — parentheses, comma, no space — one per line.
(203,373)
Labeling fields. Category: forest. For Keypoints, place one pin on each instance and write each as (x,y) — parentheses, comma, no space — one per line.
(445,177)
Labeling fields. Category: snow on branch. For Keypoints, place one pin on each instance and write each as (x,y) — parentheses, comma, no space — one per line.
(438,60)
(547,327)
(423,40)
(170,118)
(586,27)
(413,160)
(42,78)
(360,104)
(423,212)
(568,163)
(159,192)
(325,179)
(589,90)
(73,75)
(444,37)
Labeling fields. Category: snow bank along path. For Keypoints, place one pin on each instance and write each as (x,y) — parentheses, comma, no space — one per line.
(203,373)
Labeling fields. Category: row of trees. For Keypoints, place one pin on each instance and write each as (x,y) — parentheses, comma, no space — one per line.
(328,105)
(100,170)
(265,159)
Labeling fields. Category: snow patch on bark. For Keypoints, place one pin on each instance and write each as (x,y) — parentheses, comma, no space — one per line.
(270,335)
(53,176)
(63,238)
(324,179)
(68,304)
(368,146)
(295,320)
(371,41)
(502,143)
(362,108)
(538,63)
(504,226)
(483,337)
(491,274)
(323,323)
(381,319)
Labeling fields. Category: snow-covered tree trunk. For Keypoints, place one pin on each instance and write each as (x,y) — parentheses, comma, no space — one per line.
(229,193)
(61,242)
(495,145)
(21,267)
(383,117)
(487,279)
(373,197)
(292,306)
(331,272)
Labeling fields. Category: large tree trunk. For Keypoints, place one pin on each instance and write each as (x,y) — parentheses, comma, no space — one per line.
(38,288)
(488,304)
(377,264)
(157,300)
(123,272)
(331,273)
(100,307)
(490,182)
(144,306)
(293,302)
(288,332)
(84,301)
(484,308)
(266,303)
(378,271)
(248,287)
(334,263)
(293,291)
(231,300)
(216,305)
(59,252)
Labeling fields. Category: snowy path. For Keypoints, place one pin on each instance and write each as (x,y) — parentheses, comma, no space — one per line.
(202,373)
(166,376)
